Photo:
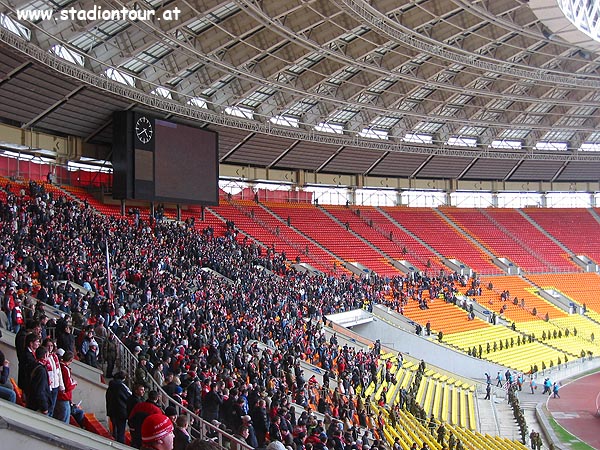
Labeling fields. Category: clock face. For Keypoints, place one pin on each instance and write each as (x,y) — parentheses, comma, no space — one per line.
(143,130)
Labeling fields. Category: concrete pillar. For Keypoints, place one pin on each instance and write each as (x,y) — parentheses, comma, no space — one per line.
(399,200)
(351,196)
(495,199)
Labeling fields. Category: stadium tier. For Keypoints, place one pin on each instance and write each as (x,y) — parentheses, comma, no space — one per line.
(372,225)
(315,224)
(506,233)
(432,229)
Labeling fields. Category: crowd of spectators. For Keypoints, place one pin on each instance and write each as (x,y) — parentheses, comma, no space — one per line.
(191,329)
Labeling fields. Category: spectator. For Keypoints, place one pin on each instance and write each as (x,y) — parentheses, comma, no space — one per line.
(212,403)
(182,436)
(157,432)
(138,415)
(251,439)
(64,336)
(28,361)
(109,352)
(17,319)
(194,396)
(261,421)
(6,390)
(54,373)
(39,396)
(62,410)
(138,396)
(87,340)
(141,373)
(117,401)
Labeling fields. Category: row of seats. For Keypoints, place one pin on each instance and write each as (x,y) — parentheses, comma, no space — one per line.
(312,222)
(370,224)
(430,227)
(508,234)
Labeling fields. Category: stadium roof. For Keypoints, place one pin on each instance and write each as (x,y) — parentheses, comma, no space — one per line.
(454,89)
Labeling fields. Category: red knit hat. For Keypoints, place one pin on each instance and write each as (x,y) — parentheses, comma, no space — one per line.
(155,427)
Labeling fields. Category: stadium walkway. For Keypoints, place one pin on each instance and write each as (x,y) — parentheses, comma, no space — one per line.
(577,414)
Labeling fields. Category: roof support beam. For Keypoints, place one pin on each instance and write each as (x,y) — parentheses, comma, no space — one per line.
(376,163)
(282,154)
(559,171)
(236,147)
(513,170)
(13,73)
(328,160)
(423,164)
(102,127)
(51,108)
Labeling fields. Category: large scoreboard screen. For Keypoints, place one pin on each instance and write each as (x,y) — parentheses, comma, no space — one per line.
(159,160)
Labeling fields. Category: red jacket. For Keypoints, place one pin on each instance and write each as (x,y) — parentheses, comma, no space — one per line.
(69,382)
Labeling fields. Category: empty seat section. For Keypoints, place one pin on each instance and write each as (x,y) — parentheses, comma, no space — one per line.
(506,233)
(568,225)
(315,224)
(369,223)
(430,227)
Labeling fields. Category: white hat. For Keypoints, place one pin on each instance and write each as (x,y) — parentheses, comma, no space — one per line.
(137,348)
(276,445)
(60,352)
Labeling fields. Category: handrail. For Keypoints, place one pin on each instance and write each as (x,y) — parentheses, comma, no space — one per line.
(199,427)
(127,362)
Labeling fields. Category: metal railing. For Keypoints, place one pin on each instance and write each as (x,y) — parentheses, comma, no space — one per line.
(127,362)
(199,428)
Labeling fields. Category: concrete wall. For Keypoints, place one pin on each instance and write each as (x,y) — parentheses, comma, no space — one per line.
(90,390)
(22,428)
(422,348)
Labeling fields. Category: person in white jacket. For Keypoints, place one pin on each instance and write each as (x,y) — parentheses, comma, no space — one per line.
(54,373)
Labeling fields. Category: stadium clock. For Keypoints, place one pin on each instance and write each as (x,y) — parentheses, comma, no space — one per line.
(144,130)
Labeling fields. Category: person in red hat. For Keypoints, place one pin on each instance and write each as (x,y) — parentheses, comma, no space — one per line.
(157,433)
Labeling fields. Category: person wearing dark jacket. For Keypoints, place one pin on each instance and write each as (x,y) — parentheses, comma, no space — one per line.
(117,397)
(5,392)
(211,404)
(139,393)
(39,396)
(182,436)
(260,420)
(251,439)
(27,361)
(194,396)
(65,339)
